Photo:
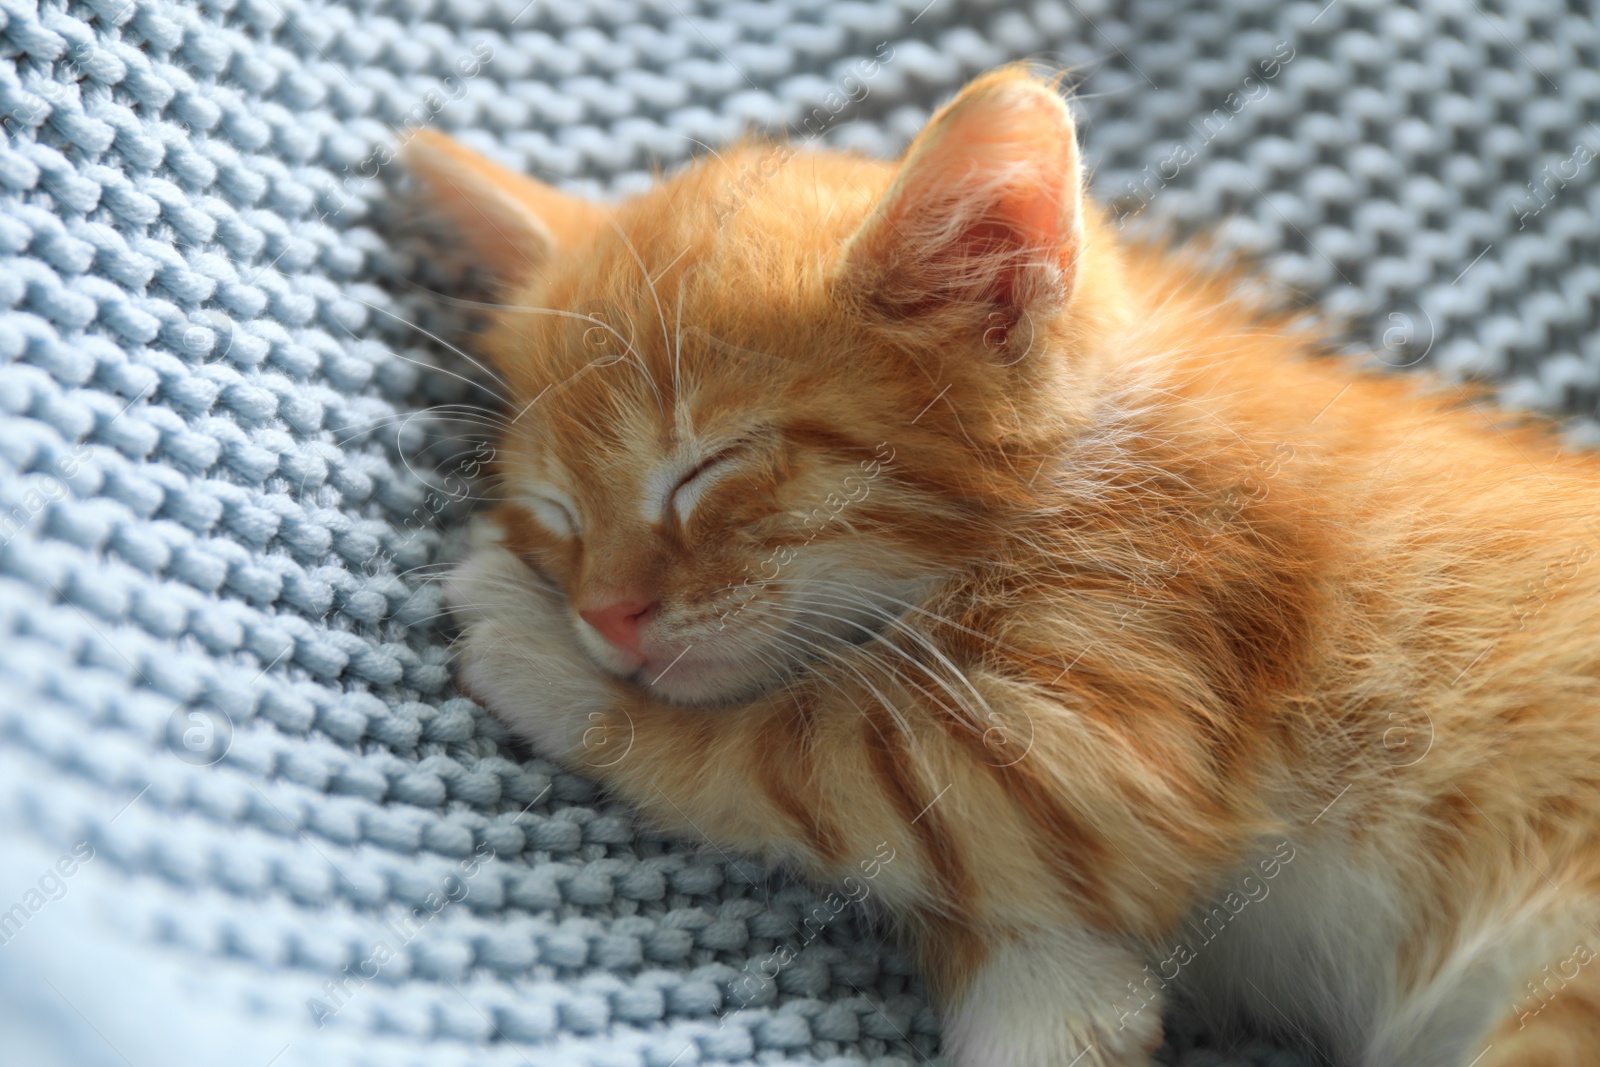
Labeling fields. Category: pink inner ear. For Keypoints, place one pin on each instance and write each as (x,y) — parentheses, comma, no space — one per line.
(986,208)
(996,241)
(1022,234)
(1039,217)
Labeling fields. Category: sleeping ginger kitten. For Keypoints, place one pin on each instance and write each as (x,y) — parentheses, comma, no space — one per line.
(853,509)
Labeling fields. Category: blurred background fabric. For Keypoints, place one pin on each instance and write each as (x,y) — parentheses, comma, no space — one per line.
(245,818)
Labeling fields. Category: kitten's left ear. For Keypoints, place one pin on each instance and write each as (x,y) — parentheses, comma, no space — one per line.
(985,215)
(511,223)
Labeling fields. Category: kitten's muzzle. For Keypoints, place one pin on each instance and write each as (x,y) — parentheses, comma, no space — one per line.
(621,621)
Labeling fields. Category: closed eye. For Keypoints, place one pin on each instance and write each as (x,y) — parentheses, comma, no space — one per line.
(693,485)
(554,515)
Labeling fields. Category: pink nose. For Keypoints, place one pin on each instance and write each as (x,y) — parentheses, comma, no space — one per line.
(619,622)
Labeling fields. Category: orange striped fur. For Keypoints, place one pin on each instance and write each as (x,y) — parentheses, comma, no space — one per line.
(1169,660)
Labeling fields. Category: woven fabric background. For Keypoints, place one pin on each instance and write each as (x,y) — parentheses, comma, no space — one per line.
(223,457)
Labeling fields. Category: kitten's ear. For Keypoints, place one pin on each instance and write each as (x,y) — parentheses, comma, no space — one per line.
(511,223)
(984,216)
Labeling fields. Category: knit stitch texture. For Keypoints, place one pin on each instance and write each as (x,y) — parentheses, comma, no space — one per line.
(245,818)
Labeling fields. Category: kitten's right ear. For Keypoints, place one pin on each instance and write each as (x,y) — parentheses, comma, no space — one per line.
(509,222)
(983,223)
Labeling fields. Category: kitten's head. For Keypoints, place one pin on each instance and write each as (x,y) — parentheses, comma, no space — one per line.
(769,406)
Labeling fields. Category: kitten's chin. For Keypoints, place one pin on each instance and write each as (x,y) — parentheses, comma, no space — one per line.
(705,681)
(691,676)
(695,677)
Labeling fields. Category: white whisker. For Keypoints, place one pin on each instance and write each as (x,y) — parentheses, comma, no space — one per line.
(435,337)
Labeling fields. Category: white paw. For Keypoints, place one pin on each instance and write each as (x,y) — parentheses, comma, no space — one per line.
(519,656)
(1057,999)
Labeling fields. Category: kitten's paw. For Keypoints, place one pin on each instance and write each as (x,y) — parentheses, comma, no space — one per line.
(519,656)
(1054,1000)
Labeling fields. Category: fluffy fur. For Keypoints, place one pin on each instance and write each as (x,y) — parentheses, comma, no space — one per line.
(847,503)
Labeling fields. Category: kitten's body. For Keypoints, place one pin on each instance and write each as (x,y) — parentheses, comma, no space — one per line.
(903,505)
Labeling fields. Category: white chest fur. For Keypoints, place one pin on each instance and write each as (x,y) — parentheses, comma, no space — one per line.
(1315,956)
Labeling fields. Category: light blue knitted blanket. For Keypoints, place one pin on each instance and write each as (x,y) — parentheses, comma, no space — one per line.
(245,819)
